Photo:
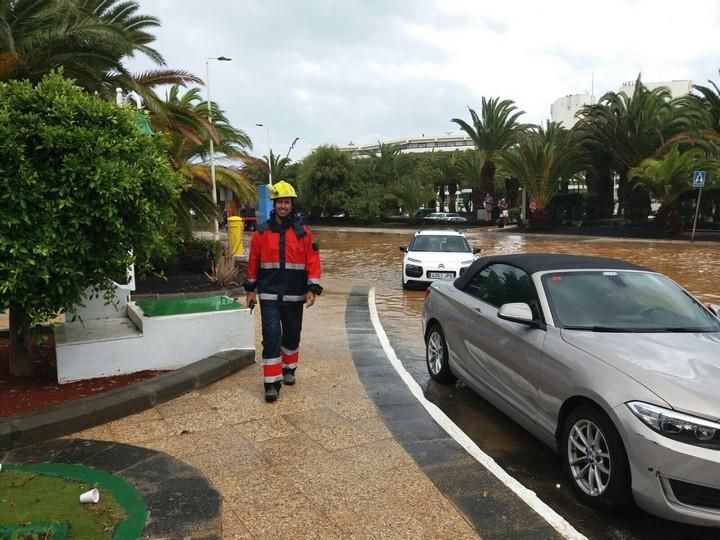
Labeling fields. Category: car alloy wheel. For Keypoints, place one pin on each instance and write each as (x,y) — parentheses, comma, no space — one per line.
(436,355)
(594,458)
(589,457)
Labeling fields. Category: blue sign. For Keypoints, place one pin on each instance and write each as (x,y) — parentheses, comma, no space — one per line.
(698,179)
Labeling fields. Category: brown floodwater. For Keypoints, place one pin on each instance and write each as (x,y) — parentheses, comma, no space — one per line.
(374,259)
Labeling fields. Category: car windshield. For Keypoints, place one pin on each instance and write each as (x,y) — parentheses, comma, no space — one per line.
(617,301)
(452,244)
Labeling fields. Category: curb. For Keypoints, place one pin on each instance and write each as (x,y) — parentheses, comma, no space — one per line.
(94,410)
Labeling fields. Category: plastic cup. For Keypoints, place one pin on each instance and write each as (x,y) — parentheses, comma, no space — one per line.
(92,496)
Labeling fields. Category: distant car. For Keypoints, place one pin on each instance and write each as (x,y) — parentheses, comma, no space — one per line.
(420,214)
(435,255)
(444,217)
(611,364)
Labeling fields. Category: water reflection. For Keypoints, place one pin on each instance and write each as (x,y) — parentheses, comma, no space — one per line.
(374,259)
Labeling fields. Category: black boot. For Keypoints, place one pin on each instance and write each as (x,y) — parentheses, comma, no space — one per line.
(289,376)
(272,390)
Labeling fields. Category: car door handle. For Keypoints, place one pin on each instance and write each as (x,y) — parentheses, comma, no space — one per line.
(479,311)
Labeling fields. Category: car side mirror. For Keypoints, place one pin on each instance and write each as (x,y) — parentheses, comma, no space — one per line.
(715,308)
(404,249)
(476,251)
(518,312)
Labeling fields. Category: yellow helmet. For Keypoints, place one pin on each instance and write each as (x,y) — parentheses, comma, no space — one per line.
(281,190)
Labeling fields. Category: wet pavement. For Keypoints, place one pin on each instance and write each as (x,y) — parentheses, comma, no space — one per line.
(374,259)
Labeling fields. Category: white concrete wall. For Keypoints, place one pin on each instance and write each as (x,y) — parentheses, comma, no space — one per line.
(96,308)
(162,343)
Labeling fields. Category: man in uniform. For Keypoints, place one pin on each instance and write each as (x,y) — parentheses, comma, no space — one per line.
(283,272)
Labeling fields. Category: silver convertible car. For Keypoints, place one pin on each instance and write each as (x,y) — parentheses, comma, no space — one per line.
(613,365)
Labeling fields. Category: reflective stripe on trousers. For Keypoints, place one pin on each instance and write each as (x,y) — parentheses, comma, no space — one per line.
(281,327)
(289,358)
(272,370)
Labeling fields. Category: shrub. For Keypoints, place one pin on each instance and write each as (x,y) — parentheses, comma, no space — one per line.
(83,194)
(198,255)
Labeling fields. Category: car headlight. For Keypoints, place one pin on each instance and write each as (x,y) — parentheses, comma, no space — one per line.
(413,270)
(411,260)
(468,262)
(678,426)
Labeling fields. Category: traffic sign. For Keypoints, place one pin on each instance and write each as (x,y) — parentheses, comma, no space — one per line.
(698,179)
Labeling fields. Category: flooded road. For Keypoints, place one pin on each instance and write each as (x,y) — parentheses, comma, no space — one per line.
(374,259)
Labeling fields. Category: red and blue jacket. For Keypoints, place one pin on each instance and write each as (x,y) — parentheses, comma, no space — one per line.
(284,261)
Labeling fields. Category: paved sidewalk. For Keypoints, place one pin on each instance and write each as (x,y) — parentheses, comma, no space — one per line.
(318,463)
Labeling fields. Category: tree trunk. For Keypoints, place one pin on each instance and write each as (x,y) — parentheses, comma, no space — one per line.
(637,203)
(21,364)
(451,202)
(668,220)
(512,192)
(487,178)
(600,184)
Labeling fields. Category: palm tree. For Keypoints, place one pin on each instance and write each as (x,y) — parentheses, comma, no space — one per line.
(627,129)
(89,39)
(189,131)
(669,178)
(389,162)
(258,169)
(412,193)
(709,98)
(494,131)
(540,160)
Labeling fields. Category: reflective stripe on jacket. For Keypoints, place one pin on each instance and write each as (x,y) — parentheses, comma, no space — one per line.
(284,262)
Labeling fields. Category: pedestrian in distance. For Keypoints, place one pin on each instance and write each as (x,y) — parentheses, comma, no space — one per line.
(283,273)
(488,203)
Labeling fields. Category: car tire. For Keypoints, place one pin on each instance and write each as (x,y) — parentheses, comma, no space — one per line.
(436,356)
(599,475)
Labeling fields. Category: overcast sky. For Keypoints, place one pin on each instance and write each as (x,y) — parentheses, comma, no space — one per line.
(335,71)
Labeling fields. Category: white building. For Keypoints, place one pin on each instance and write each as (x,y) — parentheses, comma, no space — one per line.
(444,143)
(563,110)
(677,88)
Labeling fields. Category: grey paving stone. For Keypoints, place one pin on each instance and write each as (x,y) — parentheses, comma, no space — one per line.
(43,452)
(78,450)
(116,457)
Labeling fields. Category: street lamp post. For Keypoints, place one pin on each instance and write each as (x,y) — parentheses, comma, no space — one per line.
(267,131)
(216,234)
(292,145)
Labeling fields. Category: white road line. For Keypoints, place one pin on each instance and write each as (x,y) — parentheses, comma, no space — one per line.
(531,499)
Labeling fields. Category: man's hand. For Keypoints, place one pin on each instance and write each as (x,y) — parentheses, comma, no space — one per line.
(251,299)
(309,299)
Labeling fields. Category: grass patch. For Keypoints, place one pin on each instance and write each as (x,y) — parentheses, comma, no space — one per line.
(29,497)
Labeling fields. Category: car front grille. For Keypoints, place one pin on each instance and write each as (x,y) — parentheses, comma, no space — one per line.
(695,495)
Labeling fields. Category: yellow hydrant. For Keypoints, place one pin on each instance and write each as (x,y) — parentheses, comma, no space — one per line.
(235,236)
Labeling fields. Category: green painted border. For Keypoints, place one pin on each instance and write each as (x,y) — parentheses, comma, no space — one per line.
(125,494)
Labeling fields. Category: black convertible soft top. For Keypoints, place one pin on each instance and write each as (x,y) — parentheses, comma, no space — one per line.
(538,262)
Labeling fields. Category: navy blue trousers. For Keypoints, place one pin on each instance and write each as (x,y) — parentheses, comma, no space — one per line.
(281,327)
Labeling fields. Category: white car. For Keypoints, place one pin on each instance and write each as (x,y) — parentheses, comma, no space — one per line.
(435,255)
